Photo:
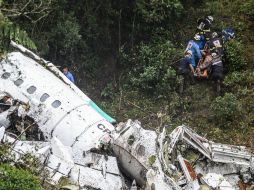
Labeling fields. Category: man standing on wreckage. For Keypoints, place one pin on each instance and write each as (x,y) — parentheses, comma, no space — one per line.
(75,126)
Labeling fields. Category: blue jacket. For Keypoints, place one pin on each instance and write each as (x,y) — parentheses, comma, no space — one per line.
(201,42)
(196,54)
(70,76)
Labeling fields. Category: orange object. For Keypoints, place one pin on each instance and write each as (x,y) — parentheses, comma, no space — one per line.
(205,73)
(190,169)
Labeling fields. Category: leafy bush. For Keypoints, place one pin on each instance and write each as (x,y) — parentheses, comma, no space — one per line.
(239,79)
(65,34)
(19,179)
(153,71)
(108,92)
(251,105)
(234,52)
(158,11)
(8,32)
(226,108)
(247,8)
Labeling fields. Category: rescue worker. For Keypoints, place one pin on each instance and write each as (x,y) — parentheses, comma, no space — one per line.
(215,45)
(68,74)
(194,48)
(5,104)
(186,71)
(228,34)
(204,24)
(217,71)
(200,40)
(217,67)
(204,27)
(185,67)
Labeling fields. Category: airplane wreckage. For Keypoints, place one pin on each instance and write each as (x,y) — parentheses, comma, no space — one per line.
(47,116)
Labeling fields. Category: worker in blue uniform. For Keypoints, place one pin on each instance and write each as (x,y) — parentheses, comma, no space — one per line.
(194,48)
(68,74)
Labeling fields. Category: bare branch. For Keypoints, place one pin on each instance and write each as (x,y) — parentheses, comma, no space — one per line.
(34,12)
(26,5)
(41,18)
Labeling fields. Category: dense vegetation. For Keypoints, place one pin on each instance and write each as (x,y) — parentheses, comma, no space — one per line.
(123,55)
(13,178)
(20,175)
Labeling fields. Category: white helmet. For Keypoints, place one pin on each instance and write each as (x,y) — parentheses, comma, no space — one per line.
(197,37)
(188,53)
(214,54)
(210,18)
(214,34)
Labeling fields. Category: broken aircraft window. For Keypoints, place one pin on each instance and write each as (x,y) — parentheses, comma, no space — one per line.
(44,97)
(19,124)
(18,82)
(31,89)
(6,75)
(56,104)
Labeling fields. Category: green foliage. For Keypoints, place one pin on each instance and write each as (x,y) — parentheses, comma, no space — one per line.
(234,79)
(251,105)
(65,35)
(108,92)
(153,70)
(9,31)
(159,11)
(4,150)
(152,159)
(226,108)
(248,8)
(234,56)
(14,178)
(239,79)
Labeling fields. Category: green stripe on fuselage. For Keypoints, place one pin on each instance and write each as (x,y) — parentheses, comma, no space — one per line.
(102,113)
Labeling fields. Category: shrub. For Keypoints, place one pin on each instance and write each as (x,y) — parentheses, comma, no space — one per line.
(9,31)
(108,92)
(19,179)
(247,8)
(239,79)
(65,34)
(159,11)
(153,71)
(226,108)
(234,56)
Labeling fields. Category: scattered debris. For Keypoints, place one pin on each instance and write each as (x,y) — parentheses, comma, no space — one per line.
(73,141)
(160,157)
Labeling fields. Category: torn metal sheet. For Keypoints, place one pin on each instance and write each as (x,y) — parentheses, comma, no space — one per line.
(99,175)
(137,151)
(216,181)
(96,161)
(190,175)
(213,151)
